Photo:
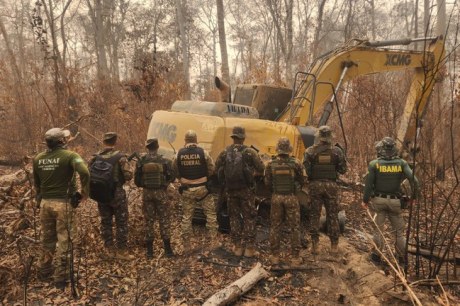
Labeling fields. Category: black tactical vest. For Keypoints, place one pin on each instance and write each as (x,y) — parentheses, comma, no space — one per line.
(324,166)
(192,163)
(283,172)
(388,176)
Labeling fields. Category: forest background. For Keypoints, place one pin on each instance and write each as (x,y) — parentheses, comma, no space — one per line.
(108,64)
(105,65)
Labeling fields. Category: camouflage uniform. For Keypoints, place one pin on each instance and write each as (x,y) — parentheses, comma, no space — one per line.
(323,162)
(383,190)
(54,181)
(193,166)
(241,200)
(155,199)
(284,175)
(118,207)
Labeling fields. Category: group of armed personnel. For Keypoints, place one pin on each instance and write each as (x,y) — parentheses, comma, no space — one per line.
(237,168)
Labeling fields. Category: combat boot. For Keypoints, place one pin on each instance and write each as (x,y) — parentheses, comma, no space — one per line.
(250,252)
(237,250)
(123,254)
(167,247)
(149,246)
(334,248)
(314,247)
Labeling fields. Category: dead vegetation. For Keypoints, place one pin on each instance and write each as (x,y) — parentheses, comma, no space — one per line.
(190,280)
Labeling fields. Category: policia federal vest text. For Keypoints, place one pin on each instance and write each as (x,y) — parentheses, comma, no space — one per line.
(191,163)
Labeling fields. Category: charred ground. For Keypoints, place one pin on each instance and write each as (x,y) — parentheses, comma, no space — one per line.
(189,280)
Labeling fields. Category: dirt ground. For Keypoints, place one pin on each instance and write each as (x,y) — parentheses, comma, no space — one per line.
(350,278)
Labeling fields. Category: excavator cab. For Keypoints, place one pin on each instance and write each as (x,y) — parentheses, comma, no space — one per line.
(269,100)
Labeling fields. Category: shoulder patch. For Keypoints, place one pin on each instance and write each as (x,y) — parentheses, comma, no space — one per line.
(78,160)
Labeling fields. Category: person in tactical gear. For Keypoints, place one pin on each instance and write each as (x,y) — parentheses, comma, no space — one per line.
(55,184)
(118,206)
(284,175)
(383,190)
(236,167)
(193,166)
(154,174)
(323,163)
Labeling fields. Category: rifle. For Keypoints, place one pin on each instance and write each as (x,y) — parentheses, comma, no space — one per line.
(134,155)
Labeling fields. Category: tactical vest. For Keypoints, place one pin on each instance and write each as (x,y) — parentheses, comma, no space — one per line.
(283,172)
(192,163)
(323,166)
(388,176)
(153,172)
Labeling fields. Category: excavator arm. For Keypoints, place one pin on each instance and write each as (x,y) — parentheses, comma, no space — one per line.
(319,86)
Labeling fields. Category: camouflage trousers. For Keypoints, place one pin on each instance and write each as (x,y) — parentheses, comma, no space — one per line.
(284,207)
(117,208)
(324,192)
(198,197)
(58,227)
(155,205)
(242,213)
(391,208)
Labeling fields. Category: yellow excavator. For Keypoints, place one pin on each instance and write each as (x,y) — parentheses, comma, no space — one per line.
(270,112)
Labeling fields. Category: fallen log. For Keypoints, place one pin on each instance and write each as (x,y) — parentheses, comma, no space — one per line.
(17,178)
(238,288)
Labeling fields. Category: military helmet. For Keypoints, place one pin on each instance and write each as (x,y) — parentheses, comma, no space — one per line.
(238,132)
(389,150)
(388,143)
(324,133)
(379,148)
(54,134)
(190,136)
(283,146)
(152,143)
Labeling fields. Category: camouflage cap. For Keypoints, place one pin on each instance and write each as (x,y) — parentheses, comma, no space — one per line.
(283,146)
(190,136)
(238,132)
(109,135)
(54,134)
(152,143)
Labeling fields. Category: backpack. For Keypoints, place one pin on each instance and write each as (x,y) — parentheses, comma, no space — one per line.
(101,182)
(236,172)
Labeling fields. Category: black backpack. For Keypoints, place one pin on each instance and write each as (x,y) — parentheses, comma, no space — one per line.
(101,183)
(236,173)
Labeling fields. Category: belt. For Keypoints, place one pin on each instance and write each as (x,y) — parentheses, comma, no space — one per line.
(388,196)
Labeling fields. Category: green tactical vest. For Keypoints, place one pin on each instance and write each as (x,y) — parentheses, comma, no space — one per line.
(388,176)
(283,176)
(323,166)
(153,176)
